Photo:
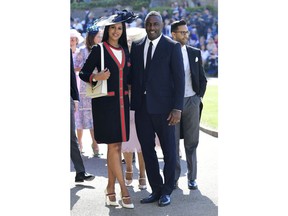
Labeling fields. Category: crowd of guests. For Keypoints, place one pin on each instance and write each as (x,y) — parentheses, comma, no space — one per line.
(202,26)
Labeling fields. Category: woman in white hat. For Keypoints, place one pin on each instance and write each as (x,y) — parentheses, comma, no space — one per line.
(111,113)
(83,117)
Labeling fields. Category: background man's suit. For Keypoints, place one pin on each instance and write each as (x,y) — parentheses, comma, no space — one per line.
(164,91)
(190,117)
(74,96)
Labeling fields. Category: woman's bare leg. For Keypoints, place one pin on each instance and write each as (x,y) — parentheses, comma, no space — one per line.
(128,156)
(142,171)
(115,171)
(94,146)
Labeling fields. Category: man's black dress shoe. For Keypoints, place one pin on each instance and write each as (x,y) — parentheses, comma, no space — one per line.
(151,198)
(164,200)
(80,177)
(192,185)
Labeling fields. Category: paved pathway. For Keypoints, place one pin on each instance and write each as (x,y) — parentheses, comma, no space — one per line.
(87,199)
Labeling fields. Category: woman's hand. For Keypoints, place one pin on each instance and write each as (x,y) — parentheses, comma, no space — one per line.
(102,75)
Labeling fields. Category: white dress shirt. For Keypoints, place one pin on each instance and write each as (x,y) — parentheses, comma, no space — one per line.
(188,79)
(146,46)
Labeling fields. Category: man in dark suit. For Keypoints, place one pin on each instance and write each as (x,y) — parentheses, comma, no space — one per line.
(157,92)
(195,87)
(76,158)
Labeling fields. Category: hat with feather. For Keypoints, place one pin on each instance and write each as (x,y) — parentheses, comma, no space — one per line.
(118,17)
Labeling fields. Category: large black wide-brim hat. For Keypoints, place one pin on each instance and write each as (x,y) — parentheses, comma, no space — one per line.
(118,17)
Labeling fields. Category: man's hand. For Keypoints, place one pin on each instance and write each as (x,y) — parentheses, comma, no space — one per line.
(174,117)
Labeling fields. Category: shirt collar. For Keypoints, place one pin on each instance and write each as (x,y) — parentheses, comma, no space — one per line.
(184,48)
(155,42)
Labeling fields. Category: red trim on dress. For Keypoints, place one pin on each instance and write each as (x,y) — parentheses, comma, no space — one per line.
(90,78)
(121,90)
(112,93)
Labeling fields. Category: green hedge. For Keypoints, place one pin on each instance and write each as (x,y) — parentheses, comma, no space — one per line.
(136,4)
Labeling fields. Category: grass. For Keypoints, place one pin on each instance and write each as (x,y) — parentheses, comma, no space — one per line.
(209,116)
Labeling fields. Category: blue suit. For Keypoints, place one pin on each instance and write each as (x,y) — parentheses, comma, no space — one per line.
(152,101)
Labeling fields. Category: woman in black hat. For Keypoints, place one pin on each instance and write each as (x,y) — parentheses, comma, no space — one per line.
(111,113)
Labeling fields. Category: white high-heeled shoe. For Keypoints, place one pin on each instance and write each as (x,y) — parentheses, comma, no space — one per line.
(128,182)
(142,186)
(108,201)
(130,205)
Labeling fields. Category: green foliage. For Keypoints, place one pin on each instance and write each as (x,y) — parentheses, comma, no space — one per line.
(161,9)
(211,8)
(136,4)
(80,5)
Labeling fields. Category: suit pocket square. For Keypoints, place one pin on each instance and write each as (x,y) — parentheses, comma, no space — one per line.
(196,59)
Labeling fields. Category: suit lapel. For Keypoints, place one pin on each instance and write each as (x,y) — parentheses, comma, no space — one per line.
(141,52)
(158,49)
(194,68)
(192,62)
(156,55)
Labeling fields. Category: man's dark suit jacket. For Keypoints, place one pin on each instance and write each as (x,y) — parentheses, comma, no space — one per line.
(74,90)
(199,80)
(165,78)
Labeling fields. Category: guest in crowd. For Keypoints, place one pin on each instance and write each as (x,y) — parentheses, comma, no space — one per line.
(83,117)
(81,174)
(195,87)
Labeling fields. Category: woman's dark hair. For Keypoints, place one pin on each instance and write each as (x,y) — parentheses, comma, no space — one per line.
(122,39)
(89,41)
(175,24)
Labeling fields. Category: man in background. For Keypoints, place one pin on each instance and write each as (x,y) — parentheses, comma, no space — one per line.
(76,158)
(195,87)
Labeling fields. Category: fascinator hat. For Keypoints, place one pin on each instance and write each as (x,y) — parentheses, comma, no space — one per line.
(93,29)
(118,17)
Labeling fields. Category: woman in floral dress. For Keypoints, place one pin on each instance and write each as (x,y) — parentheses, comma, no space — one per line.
(83,118)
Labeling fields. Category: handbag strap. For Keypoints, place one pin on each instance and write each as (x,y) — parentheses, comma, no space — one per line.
(102,56)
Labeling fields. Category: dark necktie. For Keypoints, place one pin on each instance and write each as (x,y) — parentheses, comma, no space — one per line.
(148,62)
(148,57)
